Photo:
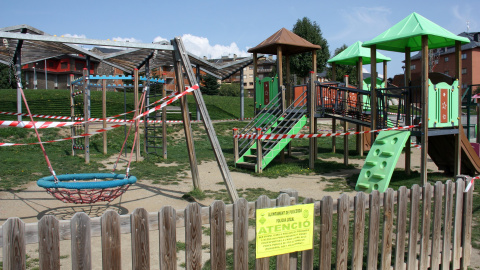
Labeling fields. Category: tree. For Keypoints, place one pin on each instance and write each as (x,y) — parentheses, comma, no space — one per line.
(7,80)
(301,64)
(342,70)
(210,85)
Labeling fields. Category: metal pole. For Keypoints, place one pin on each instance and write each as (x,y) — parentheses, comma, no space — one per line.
(242,96)
(18,74)
(345,124)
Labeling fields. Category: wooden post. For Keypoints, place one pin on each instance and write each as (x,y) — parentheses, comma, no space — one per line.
(186,123)
(373,90)
(164,124)
(104,114)
(136,143)
(289,94)
(408,117)
(280,84)
(385,73)
(424,126)
(334,121)
(259,151)
(345,124)
(86,112)
(478,121)
(180,54)
(72,111)
(312,120)
(255,66)
(359,105)
(235,144)
(458,75)
(314,102)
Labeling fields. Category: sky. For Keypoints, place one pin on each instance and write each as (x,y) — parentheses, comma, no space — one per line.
(222,28)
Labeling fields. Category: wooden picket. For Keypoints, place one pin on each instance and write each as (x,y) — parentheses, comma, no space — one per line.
(441,242)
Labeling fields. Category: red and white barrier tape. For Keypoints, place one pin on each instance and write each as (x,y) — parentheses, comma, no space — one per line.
(68,138)
(168,102)
(300,136)
(414,145)
(470,184)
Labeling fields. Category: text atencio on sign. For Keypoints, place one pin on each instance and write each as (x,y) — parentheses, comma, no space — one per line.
(284,230)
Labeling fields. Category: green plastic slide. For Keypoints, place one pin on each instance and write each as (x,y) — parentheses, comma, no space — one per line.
(381,161)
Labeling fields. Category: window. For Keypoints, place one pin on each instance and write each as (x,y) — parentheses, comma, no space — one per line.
(250,83)
(446,58)
(446,72)
(244,84)
(250,67)
(412,67)
(251,76)
(64,65)
(436,61)
(464,71)
(464,56)
(244,77)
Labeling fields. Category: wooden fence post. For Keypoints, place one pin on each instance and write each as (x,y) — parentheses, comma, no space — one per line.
(402,201)
(111,241)
(240,234)
(81,242)
(264,263)
(49,243)
(259,151)
(437,226)
(235,144)
(284,259)
(467,227)
(326,230)
(307,255)
(426,221)
(218,241)
(412,262)
(373,230)
(447,225)
(14,251)
(167,238)
(343,213)
(358,231)
(193,232)
(387,241)
(457,223)
(140,239)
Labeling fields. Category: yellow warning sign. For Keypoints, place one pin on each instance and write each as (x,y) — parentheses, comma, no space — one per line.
(284,230)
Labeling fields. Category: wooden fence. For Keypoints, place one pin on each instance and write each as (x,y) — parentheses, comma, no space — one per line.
(368,231)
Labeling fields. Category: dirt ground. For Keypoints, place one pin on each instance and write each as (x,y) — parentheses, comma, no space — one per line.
(32,203)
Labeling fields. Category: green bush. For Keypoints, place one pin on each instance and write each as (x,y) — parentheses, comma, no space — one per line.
(230,89)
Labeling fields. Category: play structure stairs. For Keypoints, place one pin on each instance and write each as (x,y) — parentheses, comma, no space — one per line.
(381,161)
(272,121)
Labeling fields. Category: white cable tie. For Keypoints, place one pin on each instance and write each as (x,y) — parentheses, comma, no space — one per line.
(128,170)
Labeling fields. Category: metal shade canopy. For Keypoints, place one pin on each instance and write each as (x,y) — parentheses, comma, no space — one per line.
(350,56)
(37,45)
(409,32)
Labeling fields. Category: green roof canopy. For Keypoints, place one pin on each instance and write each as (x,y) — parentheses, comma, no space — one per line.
(409,32)
(350,55)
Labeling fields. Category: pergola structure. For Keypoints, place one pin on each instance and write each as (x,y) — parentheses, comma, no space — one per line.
(286,43)
(24,44)
(416,33)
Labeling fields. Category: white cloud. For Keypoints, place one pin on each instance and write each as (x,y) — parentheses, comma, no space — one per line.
(159,39)
(201,46)
(74,35)
(132,39)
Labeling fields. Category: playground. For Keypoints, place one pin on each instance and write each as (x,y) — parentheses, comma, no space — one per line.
(305,144)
